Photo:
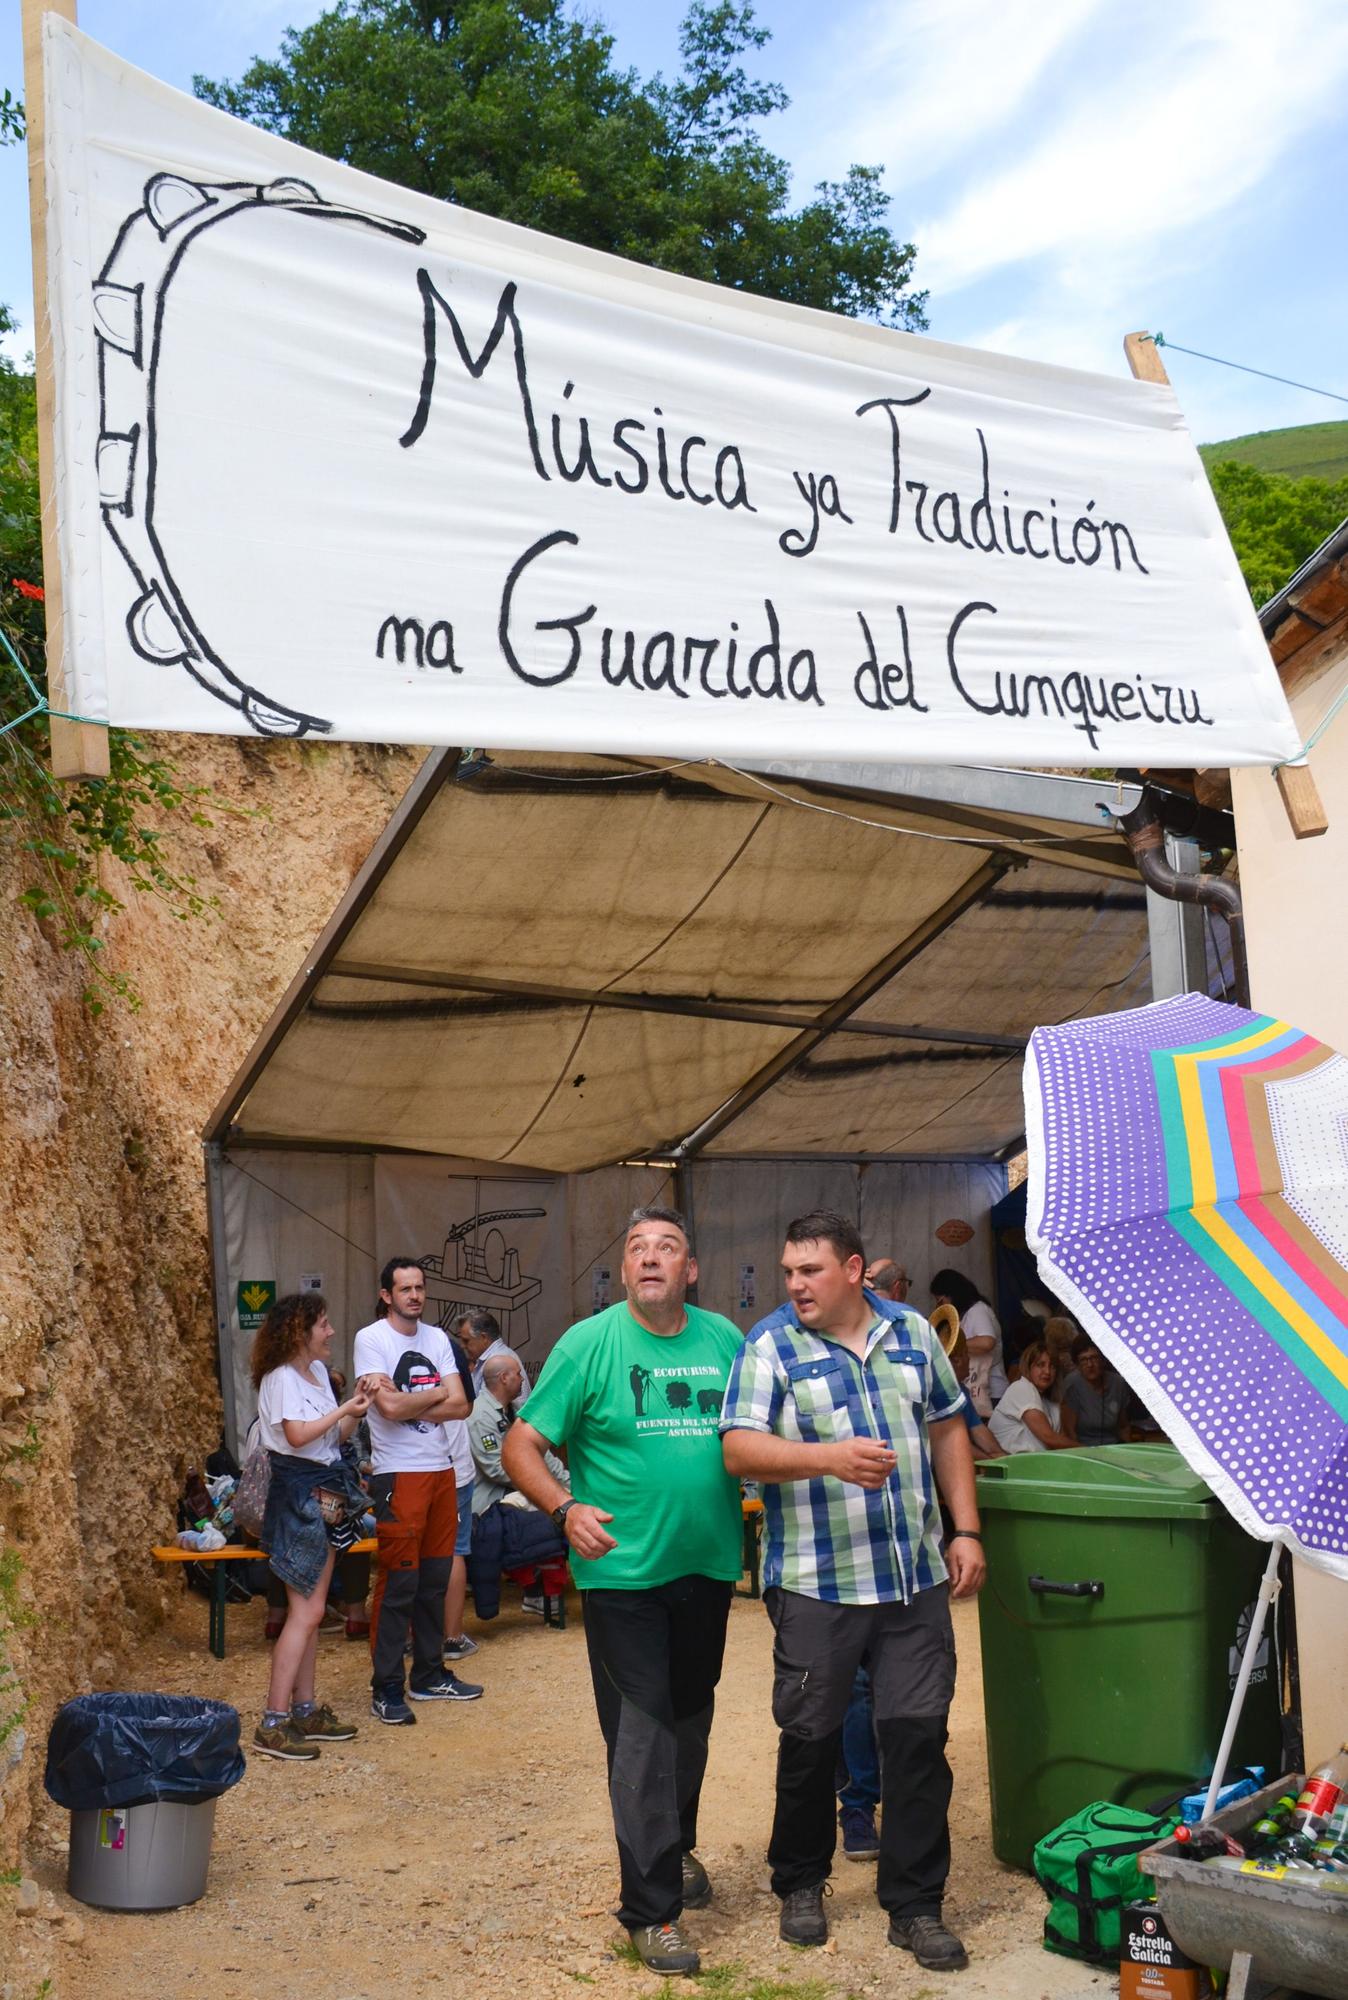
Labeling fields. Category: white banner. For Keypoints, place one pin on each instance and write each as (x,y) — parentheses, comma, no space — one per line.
(335,458)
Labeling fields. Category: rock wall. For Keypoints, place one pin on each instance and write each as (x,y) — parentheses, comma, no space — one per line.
(107,1344)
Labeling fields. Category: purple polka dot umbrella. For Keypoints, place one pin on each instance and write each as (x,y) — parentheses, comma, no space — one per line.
(1188,1201)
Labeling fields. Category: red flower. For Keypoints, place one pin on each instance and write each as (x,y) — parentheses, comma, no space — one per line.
(33,590)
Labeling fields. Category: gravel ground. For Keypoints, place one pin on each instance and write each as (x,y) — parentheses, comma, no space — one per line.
(472,1855)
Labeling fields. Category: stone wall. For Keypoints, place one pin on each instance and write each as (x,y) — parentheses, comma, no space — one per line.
(107,1344)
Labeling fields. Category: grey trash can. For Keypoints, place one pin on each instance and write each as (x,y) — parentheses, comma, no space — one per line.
(151,1857)
(140,1775)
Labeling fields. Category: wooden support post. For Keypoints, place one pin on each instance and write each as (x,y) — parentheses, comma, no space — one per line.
(78,749)
(1300,796)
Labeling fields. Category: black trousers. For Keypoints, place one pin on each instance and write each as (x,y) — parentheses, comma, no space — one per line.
(909,1652)
(655,1659)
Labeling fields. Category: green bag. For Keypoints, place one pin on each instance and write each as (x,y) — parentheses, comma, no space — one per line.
(1087,1867)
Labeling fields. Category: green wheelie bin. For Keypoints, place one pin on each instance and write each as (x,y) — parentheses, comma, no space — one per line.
(1117,1602)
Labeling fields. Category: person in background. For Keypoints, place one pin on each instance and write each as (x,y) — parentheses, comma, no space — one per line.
(1058,1334)
(1026,1418)
(351,1578)
(302,1427)
(888,1278)
(982,1330)
(457,1644)
(1093,1398)
(984,1444)
(408,1370)
(479,1334)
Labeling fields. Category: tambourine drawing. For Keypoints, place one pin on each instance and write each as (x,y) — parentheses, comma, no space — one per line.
(131,297)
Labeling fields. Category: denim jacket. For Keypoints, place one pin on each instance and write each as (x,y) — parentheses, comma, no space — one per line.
(292,1530)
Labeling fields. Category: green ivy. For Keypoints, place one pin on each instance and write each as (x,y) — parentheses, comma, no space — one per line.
(69,828)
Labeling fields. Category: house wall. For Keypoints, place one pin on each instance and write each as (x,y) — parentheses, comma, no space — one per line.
(1296,914)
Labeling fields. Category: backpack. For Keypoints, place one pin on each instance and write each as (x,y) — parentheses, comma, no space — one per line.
(250,1495)
(1087,1867)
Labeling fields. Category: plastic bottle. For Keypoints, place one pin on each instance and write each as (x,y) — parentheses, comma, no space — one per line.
(1196,1843)
(1319,1795)
(1274,1824)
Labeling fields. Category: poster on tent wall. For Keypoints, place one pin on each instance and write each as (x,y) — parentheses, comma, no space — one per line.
(334,458)
(485,1241)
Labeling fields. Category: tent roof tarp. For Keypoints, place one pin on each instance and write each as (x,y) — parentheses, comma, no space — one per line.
(562,963)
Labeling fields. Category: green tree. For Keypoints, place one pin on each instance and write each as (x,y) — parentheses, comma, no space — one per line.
(515,108)
(1275,522)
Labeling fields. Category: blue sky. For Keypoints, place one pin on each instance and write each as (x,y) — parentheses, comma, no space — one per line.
(1068,172)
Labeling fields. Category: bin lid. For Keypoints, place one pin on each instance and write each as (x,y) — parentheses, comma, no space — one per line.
(1109,1481)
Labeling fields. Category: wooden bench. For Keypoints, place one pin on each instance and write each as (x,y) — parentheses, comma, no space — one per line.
(232,1552)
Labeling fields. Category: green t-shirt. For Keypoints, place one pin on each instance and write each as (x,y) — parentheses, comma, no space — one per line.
(638,1415)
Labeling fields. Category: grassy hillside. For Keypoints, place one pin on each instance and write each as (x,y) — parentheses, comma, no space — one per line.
(1318,451)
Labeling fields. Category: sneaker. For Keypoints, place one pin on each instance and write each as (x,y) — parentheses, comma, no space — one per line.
(393,1709)
(460,1648)
(532,1600)
(696,1885)
(931,1944)
(357,1628)
(283,1739)
(802,1920)
(449,1688)
(331,1623)
(861,1842)
(664,1948)
(322,1723)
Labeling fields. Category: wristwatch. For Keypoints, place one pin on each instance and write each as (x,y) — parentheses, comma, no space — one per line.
(559,1515)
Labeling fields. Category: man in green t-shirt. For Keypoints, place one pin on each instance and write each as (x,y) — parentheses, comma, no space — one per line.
(634,1395)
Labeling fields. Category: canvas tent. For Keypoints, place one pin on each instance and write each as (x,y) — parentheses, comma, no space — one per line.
(562,985)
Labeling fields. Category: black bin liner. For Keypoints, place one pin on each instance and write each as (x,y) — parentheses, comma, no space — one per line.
(137,1749)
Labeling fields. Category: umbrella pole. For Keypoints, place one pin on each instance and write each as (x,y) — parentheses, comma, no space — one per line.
(1268,1590)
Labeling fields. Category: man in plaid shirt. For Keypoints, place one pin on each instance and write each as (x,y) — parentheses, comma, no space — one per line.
(845,1407)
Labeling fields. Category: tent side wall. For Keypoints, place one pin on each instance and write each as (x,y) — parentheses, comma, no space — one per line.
(544,1250)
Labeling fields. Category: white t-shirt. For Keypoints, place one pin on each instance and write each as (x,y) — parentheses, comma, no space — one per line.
(420,1360)
(286,1393)
(1007,1420)
(987,1373)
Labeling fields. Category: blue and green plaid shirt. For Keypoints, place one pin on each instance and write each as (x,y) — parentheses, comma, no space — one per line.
(825,1537)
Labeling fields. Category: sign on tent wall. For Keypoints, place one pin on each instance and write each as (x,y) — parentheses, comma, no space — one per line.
(333,458)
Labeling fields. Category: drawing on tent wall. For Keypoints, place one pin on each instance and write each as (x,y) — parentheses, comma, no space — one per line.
(480,1266)
(131,301)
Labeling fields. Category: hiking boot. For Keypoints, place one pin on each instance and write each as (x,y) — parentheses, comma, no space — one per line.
(459,1649)
(696,1885)
(323,1724)
(802,1920)
(930,1942)
(285,1740)
(393,1709)
(861,1842)
(448,1688)
(664,1948)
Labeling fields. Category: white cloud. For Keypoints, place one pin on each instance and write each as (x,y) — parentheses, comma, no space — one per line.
(1190,128)
(919,85)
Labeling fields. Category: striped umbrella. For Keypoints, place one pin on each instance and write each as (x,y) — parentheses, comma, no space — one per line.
(1188,1201)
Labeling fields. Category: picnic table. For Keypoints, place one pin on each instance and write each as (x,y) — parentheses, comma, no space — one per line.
(232,1552)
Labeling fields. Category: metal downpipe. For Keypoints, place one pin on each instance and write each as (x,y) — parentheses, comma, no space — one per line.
(1145,834)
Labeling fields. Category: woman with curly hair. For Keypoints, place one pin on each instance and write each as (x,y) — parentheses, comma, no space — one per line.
(303,1428)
